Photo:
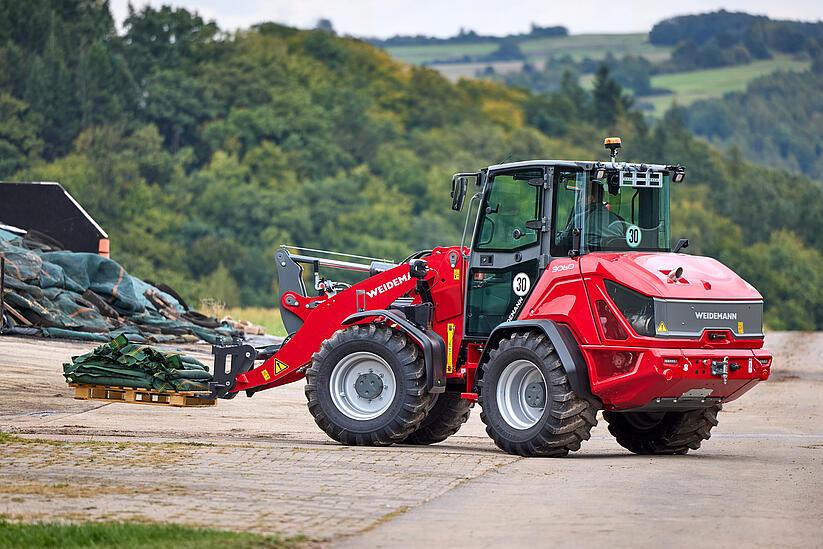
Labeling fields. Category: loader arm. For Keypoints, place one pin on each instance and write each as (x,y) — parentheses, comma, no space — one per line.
(321,318)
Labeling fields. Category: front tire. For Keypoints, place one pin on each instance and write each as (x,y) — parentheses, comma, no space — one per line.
(528,405)
(366,386)
(662,433)
(445,418)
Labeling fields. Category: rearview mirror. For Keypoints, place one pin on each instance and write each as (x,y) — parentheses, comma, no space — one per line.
(682,243)
(460,184)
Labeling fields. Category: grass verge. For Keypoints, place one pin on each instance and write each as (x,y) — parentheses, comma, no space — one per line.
(267,318)
(99,535)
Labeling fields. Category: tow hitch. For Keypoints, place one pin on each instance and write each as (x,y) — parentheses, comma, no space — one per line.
(723,367)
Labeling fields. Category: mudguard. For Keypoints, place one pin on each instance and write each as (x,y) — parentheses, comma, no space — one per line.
(564,343)
(433,346)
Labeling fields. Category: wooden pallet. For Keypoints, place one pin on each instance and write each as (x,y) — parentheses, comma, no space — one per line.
(140,396)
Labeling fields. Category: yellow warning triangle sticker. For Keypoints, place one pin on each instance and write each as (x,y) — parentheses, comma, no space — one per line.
(662,327)
(278,366)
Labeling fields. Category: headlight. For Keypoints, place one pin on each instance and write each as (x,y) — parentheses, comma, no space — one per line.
(637,309)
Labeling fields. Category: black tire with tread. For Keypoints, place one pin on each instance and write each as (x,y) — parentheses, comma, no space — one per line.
(411,399)
(568,419)
(445,418)
(673,433)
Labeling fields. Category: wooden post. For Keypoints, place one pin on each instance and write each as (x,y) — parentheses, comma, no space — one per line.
(2,294)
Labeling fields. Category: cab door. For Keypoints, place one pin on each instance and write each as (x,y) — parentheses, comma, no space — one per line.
(506,248)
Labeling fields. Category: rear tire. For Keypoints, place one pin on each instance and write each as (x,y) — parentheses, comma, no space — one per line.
(445,418)
(663,433)
(522,374)
(366,386)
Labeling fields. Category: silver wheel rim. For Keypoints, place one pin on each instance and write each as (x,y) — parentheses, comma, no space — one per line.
(343,383)
(515,386)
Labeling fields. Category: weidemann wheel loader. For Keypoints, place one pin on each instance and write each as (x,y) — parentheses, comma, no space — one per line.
(568,299)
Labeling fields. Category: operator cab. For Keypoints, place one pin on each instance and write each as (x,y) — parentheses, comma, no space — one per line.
(533,212)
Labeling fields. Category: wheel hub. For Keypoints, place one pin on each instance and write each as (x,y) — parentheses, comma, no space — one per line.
(521,394)
(535,394)
(368,385)
(362,385)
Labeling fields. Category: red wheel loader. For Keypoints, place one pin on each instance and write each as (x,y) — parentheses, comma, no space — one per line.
(568,299)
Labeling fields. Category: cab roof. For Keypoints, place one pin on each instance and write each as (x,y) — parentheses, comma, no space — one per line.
(584,164)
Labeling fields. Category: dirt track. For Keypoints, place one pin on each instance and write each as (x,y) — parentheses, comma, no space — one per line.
(262,464)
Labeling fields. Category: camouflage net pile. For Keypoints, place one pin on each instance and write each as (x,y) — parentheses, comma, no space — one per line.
(120,363)
(87,296)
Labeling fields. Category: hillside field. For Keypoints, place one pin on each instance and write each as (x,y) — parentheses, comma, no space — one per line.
(688,87)
(579,46)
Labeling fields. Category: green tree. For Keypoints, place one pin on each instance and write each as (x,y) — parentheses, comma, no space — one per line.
(18,135)
(105,88)
(220,286)
(608,101)
(165,38)
(50,94)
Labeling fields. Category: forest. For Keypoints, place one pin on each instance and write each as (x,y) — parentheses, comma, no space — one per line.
(200,151)
(723,38)
(776,120)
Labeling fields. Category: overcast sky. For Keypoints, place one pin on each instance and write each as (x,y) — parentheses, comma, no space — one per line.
(382,18)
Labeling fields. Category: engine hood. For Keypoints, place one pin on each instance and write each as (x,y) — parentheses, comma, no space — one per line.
(648,273)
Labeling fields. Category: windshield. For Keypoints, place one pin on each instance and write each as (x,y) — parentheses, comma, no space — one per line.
(611,215)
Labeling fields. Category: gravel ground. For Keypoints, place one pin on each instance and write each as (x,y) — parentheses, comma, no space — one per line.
(261,464)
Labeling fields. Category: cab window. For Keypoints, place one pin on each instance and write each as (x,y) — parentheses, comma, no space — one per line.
(511,203)
(569,188)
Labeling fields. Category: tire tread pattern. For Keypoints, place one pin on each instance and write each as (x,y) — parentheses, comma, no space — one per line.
(445,418)
(677,432)
(415,398)
(571,418)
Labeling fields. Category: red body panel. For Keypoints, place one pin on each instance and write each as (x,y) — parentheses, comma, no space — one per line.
(631,372)
(646,376)
(560,296)
(704,277)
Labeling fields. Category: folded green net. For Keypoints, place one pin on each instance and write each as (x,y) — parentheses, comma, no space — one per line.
(120,363)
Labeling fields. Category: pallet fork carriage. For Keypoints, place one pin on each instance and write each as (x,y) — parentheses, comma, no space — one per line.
(565,298)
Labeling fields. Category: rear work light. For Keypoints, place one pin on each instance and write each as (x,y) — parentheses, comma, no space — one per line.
(611,326)
(637,309)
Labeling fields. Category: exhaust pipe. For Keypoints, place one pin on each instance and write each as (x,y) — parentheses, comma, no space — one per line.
(676,274)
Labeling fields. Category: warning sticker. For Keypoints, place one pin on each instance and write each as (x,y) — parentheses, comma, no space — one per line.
(662,327)
(739,327)
(279,366)
(266,375)
(457,274)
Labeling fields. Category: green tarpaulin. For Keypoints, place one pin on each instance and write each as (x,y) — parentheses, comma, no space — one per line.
(88,296)
(120,363)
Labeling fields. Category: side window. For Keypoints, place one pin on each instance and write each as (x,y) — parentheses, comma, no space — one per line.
(511,203)
(570,185)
